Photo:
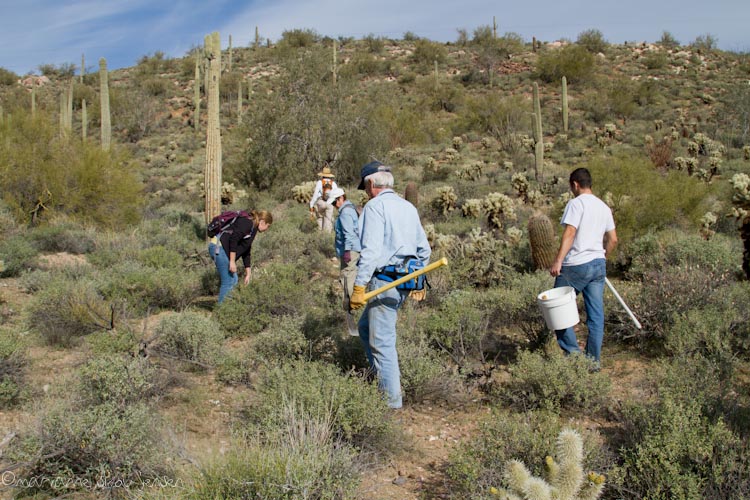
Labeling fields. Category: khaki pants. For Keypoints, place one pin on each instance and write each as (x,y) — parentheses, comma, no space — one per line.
(324,215)
(347,276)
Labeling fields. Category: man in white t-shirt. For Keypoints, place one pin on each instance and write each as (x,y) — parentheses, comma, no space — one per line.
(588,238)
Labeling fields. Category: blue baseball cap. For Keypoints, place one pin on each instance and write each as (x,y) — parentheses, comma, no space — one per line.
(369,169)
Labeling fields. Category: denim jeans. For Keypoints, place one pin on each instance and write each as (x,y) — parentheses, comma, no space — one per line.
(377,329)
(228,280)
(588,279)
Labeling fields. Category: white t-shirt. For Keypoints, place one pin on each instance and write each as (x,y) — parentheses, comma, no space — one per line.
(592,218)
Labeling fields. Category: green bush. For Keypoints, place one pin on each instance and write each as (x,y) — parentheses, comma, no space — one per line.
(143,287)
(675,452)
(476,466)
(12,362)
(282,289)
(427,52)
(7,77)
(17,255)
(572,61)
(555,381)
(357,411)
(425,375)
(69,177)
(116,379)
(160,257)
(303,461)
(73,449)
(645,200)
(656,60)
(63,237)
(298,38)
(592,40)
(67,309)
(191,336)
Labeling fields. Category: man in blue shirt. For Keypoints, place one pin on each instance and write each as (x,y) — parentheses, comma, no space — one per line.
(390,232)
(346,240)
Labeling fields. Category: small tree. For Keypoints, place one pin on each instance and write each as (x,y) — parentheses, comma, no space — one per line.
(592,40)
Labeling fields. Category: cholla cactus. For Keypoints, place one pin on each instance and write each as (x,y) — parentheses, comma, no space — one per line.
(610,130)
(498,208)
(707,222)
(473,172)
(302,193)
(514,235)
(741,185)
(431,164)
(535,198)
(446,200)
(746,152)
(472,208)
(508,165)
(486,142)
(230,194)
(520,183)
(458,143)
(658,125)
(451,154)
(648,140)
(565,478)
(741,211)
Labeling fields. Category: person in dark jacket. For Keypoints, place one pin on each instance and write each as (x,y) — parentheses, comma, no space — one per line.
(236,243)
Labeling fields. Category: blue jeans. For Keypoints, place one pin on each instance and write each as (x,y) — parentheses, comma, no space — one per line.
(377,329)
(588,279)
(228,280)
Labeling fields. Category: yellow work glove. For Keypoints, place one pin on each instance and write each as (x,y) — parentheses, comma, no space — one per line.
(357,300)
(418,295)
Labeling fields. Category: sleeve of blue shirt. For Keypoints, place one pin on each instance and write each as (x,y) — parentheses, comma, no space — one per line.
(371,231)
(349,225)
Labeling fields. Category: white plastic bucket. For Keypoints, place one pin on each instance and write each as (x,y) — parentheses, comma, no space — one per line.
(559,308)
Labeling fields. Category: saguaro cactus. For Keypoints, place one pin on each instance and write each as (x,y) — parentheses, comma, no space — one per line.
(335,62)
(412,194)
(83,68)
(257,38)
(229,53)
(565,103)
(212,176)
(197,95)
(542,240)
(84,120)
(494,28)
(239,102)
(33,99)
(538,139)
(69,107)
(106,124)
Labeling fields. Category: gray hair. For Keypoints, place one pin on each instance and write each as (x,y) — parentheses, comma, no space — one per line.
(381,179)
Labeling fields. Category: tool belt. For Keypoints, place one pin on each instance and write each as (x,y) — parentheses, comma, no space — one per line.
(392,273)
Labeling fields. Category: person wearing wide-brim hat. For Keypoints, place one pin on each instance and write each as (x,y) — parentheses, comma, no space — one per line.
(322,211)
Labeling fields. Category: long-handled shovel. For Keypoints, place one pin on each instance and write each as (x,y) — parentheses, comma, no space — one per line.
(627,309)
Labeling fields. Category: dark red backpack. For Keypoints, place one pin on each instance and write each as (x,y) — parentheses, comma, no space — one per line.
(222,223)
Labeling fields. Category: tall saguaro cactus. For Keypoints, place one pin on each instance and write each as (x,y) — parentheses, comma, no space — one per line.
(84,120)
(229,54)
(69,108)
(335,62)
(538,139)
(212,175)
(197,94)
(106,123)
(565,103)
(494,28)
(83,68)
(257,38)
(239,102)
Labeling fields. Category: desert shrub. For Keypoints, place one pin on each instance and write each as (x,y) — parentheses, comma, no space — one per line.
(670,293)
(75,447)
(118,341)
(17,254)
(69,177)
(476,466)
(116,379)
(425,375)
(150,65)
(573,62)
(704,43)
(555,381)
(356,410)
(7,77)
(592,40)
(374,44)
(426,52)
(67,309)
(62,70)
(161,257)
(12,362)
(143,287)
(459,326)
(298,38)
(63,237)
(494,115)
(282,289)
(668,40)
(643,199)
(660,250)
(191,336)
(675,451)
(302,461)
(656,60)
(154,86)
(281,340)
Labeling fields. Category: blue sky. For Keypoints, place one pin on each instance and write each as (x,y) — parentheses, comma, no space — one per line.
(34,32)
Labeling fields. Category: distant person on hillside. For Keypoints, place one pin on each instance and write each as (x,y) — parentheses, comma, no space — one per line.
(390,234)
(588,238)
(322,211)
(346,231)
(234,243)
